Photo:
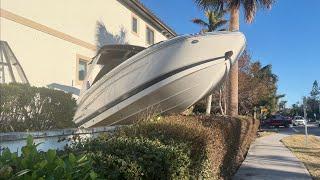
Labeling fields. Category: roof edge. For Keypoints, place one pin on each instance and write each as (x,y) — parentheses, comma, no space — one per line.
(151,16)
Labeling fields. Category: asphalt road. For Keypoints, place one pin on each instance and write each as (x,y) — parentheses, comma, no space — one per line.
(313,129)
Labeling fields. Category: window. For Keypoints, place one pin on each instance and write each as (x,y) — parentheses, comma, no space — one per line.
(135,25)
(82,70)
(150,36)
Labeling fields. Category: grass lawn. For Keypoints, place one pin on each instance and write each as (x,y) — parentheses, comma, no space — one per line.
(310,155)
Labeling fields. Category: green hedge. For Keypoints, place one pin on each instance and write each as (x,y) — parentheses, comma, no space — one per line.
(192,138)
(200,147)
(173,147)
(216,146)
(33,164)
(135,158)
(27,108)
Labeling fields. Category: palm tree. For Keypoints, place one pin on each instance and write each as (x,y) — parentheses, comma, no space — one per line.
(215,21)
(250,8)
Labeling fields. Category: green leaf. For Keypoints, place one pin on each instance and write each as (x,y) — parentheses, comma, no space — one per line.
(93,175)
(6,154)
(72,158)
(42,164)
(23,172)
(51,155)
(29,140)
(83,158)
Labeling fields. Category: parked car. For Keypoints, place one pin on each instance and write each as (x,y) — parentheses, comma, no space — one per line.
(298,120)
(277,121)
(289,118)
(312,120)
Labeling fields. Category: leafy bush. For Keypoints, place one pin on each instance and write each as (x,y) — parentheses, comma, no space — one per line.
(135,158)
(23,108)
(216,146)
(185,132)
(39,165)
(174,147)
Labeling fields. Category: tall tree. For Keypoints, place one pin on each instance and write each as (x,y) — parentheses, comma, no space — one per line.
(215,21)
(315,92)
(296,109)
(282,105)
(314,101)
(257,86)
(250,8)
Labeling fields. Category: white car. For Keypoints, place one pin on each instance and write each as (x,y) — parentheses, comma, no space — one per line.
(298,120)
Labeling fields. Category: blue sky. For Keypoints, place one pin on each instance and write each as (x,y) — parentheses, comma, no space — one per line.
(287,37)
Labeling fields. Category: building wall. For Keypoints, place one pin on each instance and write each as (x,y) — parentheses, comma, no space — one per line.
(50,35)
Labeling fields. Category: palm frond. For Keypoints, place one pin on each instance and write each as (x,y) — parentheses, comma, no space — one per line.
(233,4)
(221,13)
(200,22)
(214,19)
(219,24)
(250,6)
(211,19)
(210,4)
(250,9)
(266,3)
(209,14)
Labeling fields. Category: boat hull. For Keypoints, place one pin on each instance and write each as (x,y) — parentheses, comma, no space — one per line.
(166,79)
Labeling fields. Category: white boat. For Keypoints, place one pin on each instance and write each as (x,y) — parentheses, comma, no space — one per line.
(125,83)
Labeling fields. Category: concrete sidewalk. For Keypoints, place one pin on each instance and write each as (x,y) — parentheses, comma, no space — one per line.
(268,159)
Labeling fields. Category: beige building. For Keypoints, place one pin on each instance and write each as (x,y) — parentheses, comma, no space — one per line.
(54,40)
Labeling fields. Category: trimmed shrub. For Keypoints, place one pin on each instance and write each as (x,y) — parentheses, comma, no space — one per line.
(216,146)
(33,164)
(135,158)
(182,131)
(173,147)
(27,108)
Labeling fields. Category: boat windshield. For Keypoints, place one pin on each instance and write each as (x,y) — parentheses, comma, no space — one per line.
(107,58)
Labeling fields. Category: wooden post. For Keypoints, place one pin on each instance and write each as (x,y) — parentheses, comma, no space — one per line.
(208,109)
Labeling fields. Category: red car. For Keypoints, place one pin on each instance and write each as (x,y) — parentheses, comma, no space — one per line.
(277,121)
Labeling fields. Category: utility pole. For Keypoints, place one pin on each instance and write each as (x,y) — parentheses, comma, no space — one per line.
(305,118)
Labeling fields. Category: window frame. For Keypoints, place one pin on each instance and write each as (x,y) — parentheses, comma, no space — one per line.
(133,16)
(78,59)
(151,29)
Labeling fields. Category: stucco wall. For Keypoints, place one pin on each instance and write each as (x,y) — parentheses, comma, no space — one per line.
(47,59)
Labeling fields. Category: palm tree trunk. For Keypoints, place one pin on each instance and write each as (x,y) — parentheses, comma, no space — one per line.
(209,100)
(233,77)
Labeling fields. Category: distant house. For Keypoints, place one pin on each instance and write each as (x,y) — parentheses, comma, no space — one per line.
(54,40)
